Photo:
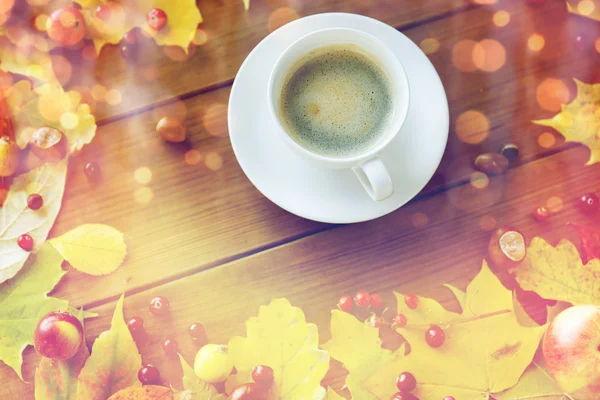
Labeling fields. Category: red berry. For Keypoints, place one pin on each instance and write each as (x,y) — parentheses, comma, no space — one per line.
(375,321)
(435,336)
(129,51)
(156,19)
(159,306)
(131,37)
(541,214)
(25,242)
(197,331)
(149,375)
(263,376)
(345,303)
(35,201)
(376,301)
(588,203)
(58,336)
(449,398)
(406,382)
(170,347)
(67,26)
(400,320)
(103,12)
(92,171)
(135,325)
(403,396)
(580,42)
(411,301)
(362,299)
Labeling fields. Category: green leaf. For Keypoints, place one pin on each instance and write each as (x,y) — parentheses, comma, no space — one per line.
(94,249)
(114,363)
(57,379)
(24,300)
(194,388)
(16,218)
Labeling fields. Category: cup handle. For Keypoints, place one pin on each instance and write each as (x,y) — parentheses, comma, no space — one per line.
(375,178)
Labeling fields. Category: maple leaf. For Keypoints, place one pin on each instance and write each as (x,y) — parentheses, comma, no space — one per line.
(486,349)
(49,105)
(147,392)
(28,61)
(57,379)
(194,388)
(16,218)
(590,242)
(94,249)
(183,18)
(281,339)
(579,121)
(114,362)
(24,300)
(358,347)
(558,273)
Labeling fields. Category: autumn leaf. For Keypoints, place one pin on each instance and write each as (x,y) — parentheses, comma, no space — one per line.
(590,242)
(246,5)
(28,61)
(486,350)
(114,362)
(16,218)
(49,105)
(572,7)
(534,383)
(579,121)
(57,379)
(332,395)
(194,388)
(94,249)
(358,347)
(281,339)
(558,273)
(147,392)
(183,18)
(24,300)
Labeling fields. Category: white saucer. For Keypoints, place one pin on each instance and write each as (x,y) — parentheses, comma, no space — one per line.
(326,195)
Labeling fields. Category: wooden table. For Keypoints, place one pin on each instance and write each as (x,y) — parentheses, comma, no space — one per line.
(201,235)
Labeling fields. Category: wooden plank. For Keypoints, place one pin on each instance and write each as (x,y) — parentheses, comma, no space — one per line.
(430,242)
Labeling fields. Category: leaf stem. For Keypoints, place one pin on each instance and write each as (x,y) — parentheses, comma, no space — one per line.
(462,321)
(535,396)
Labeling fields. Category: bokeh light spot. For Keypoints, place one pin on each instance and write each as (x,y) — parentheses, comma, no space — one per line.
(586,7)
(143,195)
(113,97)
(551,94)
(280,17)
(213,161)
(419,220)
(487,223)
(40,22)
(462,55)
(193,157)
(215,120)
(489,55)
(472,127)
(143,175)
(554,204)
(501,18)
(546,140)
(536,42)
(201,37)
(69,120)
(479,180)
(429,45)
(99,92)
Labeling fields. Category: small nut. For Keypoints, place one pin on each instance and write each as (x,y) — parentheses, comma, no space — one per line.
(49,144)
(171,129)
(491,163)
(511,152)
(9,156)
(506,248)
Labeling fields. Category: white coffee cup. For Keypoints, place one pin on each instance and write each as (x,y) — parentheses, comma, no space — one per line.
(368,167)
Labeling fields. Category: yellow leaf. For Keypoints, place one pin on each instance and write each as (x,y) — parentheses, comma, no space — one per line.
(183,18)
(49,105)
(114,363)
(332,395)
(194,388)
(26,60)
(558,273)
(246,5)
(94,249)
(358,347)
(535,383)
(579,121)
(486,350)
(281,339)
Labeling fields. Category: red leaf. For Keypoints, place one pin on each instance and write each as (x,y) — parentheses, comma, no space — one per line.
(590,242)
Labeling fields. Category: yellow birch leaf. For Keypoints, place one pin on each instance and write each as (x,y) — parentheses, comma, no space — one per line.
(183,18)
(579,121)
(558,273)
(358,347)
(114,363)
(94,249)
(281,338)
(486,350)
(194,388)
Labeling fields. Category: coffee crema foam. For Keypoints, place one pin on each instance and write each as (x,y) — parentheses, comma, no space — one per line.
(336,101)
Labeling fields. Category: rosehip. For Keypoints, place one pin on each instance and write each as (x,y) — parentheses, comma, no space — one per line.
(435,336)
(376,301)
(449,398)
(362,299)
(400,320)
(541,214)
(135,325)
(156,19)
(406,382)
(149,375)
(411,301)
(170,347)
(35,201)
(25,242)
(159,306)
(58,336)
(67,26)
(92,171)
(197,331)
(403,396)
(263,376)
(588,203)
(213,363)
(345,303)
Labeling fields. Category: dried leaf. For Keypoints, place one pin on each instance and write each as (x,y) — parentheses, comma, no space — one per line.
(114,363)
(147,392)
(281,339)
(16,218)
(57,379)
(358,347)
(579,121)
(194,388)
(94,249)
(590,242)
(486,349)
(557,273)
(49,105)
